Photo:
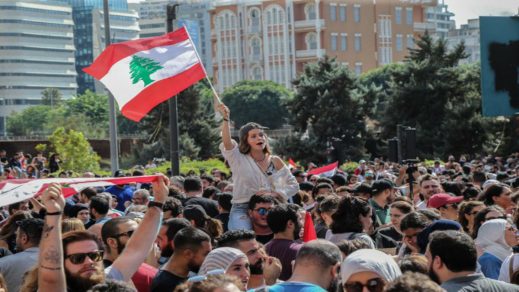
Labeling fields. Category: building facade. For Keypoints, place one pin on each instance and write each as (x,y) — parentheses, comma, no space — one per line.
(193,13)
(90,35)
(36,52)
(273,40)
(439,20)
(469,34)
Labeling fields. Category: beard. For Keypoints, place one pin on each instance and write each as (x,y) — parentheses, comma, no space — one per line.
(433,275)
(257,268)
(334,286)
(167,252)
(195,268)
(77,283)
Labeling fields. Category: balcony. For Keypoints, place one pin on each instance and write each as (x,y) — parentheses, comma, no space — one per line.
(423,26)
(310,24)
(310,53)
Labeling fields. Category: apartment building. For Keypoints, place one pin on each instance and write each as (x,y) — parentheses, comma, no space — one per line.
(273,40)
(470,35)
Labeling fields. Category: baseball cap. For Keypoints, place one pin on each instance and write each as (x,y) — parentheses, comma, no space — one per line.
(381,185)
(195,212)
(362,188)
(442,199)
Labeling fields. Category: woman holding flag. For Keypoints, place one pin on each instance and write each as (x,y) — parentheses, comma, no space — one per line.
(254,169)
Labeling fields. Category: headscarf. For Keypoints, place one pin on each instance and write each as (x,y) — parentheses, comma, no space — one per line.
(370,260)
(491,238)
(443,224)
(220,258)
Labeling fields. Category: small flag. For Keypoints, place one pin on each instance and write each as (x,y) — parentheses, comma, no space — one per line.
(145,72)
(17,190)
(327,170)
(291,164)
(309,232)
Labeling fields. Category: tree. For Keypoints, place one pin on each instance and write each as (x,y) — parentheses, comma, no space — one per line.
(327,111)
(257,101)
(442,101)
(141,68)
(30,121)
(74,150)
(51,97)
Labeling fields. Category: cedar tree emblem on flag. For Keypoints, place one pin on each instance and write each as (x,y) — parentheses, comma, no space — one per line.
(145,72)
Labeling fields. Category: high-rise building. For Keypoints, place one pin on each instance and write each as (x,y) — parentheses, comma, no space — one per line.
(36,52)
(192,13)
(469,34)
(273,40)
(90,34)
(439,20)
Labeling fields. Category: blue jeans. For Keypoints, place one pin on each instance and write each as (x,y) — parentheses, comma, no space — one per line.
(239,217)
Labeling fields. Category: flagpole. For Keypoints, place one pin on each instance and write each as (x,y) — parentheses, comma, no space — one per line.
(173,110)
(114,147)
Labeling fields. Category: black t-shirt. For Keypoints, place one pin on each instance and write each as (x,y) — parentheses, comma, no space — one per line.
(165,281)
(224,218)
(264,239)
(387,237)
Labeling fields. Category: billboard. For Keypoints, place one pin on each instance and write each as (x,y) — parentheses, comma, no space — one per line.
(499,65)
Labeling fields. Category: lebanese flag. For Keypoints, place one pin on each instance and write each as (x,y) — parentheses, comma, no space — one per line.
(326,171)
(143,73)
(17,190)
(291,163)
(309,233)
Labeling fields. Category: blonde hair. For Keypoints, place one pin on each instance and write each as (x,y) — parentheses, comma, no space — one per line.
(72,224)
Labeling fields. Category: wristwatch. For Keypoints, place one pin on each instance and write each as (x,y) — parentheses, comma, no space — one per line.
(155,204)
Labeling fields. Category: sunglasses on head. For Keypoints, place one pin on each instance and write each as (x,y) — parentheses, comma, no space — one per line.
(79,258)
(262,211)
(373,285)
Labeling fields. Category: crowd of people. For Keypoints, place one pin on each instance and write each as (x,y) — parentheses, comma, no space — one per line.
(268,227)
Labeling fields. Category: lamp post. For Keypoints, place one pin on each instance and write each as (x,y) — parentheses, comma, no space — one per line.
(173,114)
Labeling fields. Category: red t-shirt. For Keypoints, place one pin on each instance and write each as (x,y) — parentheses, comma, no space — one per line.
(143,277)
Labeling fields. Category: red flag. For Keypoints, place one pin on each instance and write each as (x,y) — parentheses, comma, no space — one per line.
(291,163)
(327,170)
(309,233)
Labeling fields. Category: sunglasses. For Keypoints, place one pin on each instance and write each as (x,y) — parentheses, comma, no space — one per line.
(127,233)
(373,285)
(262,211)
(79,258)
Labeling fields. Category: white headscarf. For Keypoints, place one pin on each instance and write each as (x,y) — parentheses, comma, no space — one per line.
(491,238)
(220,258)
(370,260)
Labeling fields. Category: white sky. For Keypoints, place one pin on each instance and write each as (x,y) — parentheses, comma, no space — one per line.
(467,9)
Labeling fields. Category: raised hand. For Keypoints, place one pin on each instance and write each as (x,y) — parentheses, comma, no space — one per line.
(52,198)
(160,188)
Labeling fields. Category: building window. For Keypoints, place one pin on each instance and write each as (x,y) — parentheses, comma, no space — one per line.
(254,16)
(334,42)
(342,12)
(344,42)
(257,73)
(358,68)
(356,13)
(333,11)
(255,48)
(399,45)
(385,55)
(310,11)
(311,41)
(358,40)
(410,41)
(409,15)
(398,15)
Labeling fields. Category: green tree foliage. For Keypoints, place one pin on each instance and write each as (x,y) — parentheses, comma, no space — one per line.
(327,112)
(75,152)
(51,96)
(441,100)
(30,121)
(257,101)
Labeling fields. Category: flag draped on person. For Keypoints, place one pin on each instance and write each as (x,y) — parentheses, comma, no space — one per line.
(145,72)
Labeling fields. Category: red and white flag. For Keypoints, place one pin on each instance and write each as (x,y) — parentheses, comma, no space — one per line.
(291,163)
(143,73)
(327,170)
(17,190)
